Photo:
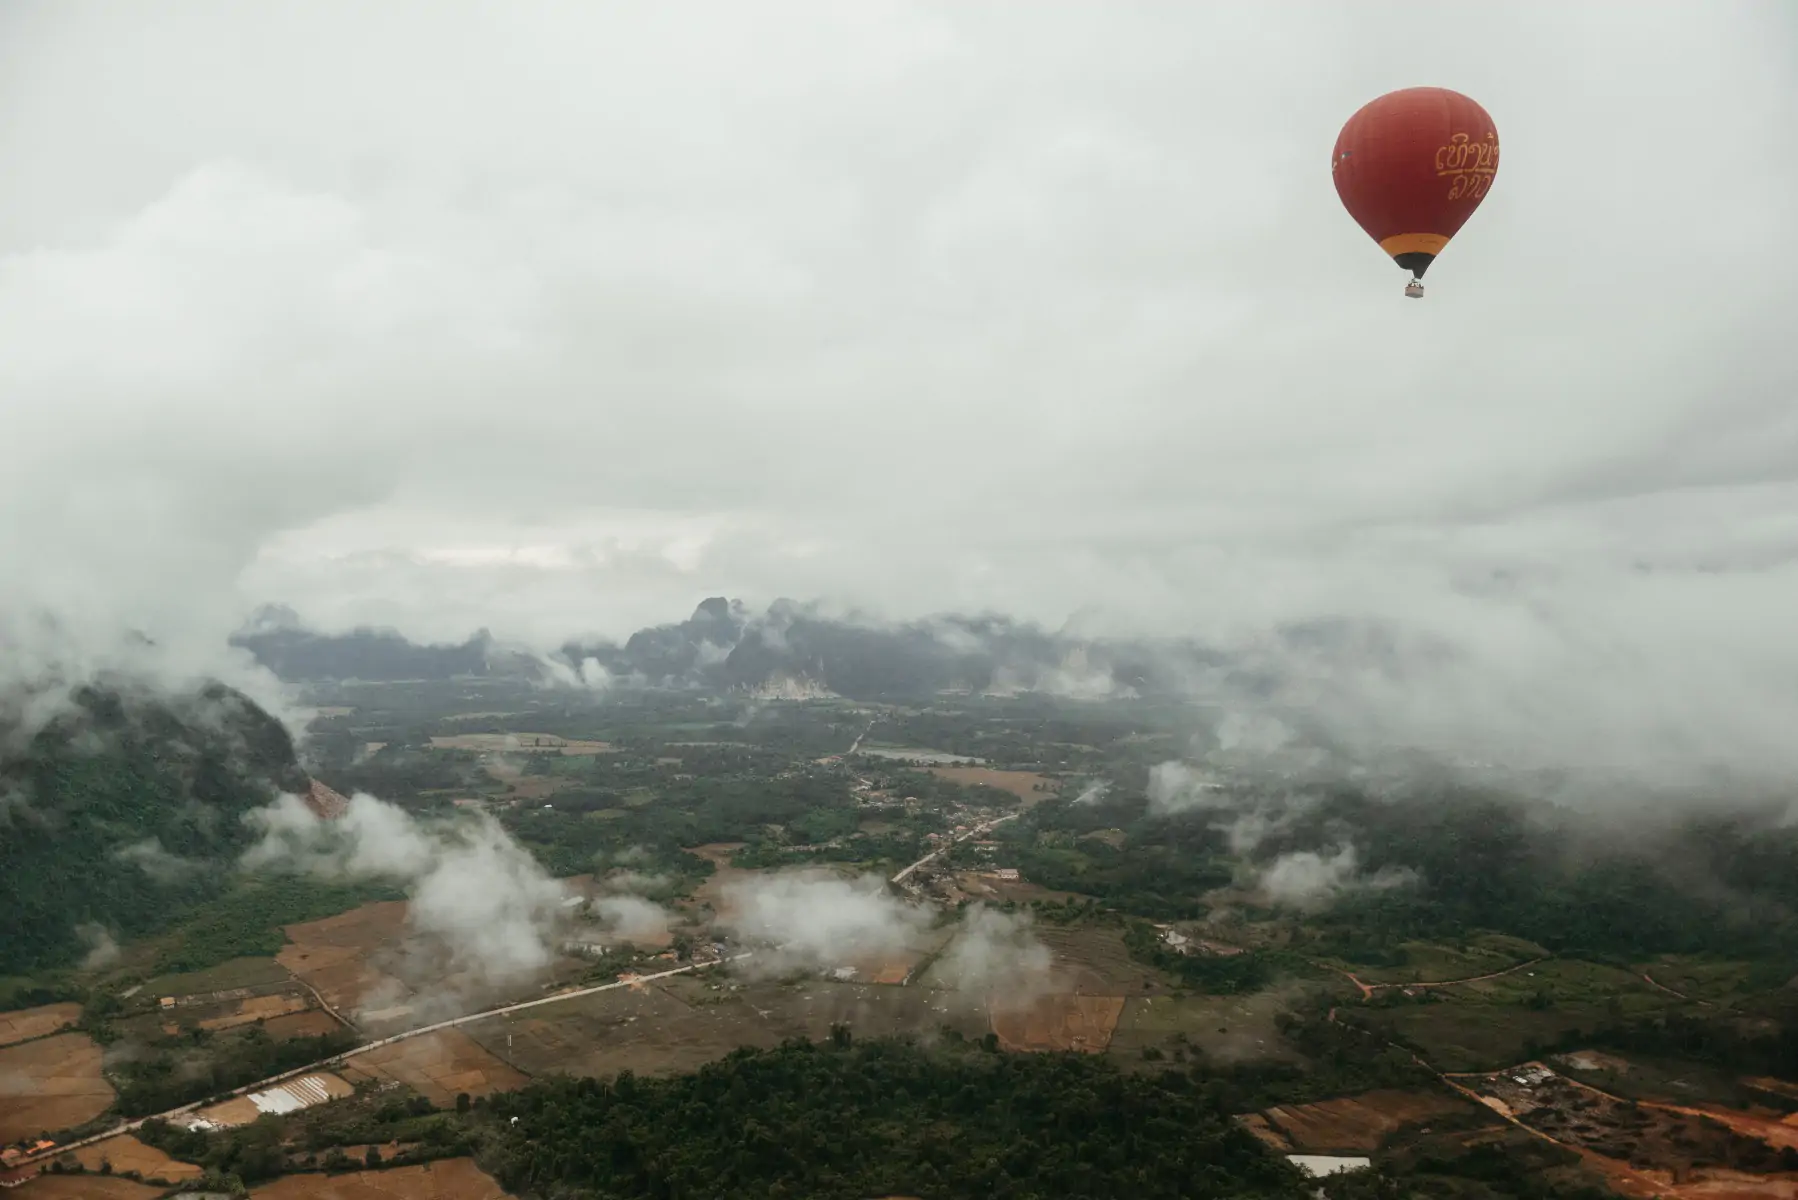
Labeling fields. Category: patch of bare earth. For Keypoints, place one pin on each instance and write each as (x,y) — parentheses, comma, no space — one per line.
(126,1153)
(86,1187)
(28,1023)
(446,1179)
(50,1084)
(1356,1124)
(332,954)
(1057,1022)
(439,1066)
(1644,1148)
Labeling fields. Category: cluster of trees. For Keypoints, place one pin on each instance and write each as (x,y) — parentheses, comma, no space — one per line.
(1764,1047)
(1161,870)
(1517,1168)
(213,1063)
(1218,974)
(859,1119)
(315,1139)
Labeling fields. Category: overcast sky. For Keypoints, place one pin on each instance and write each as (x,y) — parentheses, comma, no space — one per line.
(559,317)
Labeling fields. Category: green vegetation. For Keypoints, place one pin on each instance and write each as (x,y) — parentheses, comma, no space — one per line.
(1764,1047)
(1339,1061)
(247,920)
(124,815)
(1517,1167)
(200,1065)
(880,1118)
(1161,871)
(314,1138)
(1219,974)
(1492,864)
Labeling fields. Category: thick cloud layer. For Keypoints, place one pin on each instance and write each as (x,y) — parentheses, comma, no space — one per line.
(1043,308)
(471,888)
(816,919)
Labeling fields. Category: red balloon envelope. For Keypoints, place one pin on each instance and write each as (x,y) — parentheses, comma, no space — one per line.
(1411,167)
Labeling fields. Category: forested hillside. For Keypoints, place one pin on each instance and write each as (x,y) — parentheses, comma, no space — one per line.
(125,812)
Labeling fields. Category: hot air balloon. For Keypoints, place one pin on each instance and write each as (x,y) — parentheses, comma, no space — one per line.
(1410,167)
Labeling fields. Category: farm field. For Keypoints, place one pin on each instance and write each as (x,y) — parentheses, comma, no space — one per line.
(1485,1025)
(1430,962)
(1085,960)
(520,743)
(1354,1124)
(28,1023)
(126,1153)
(1022,784)
(258,1008)
(446,1179)
(1059,1022)
(312,1023)
(681,1024)
(438,1066)
(1226,1028)
(237,973)
(1711,981)
(982,886)
(334,954)
(49,1085)
(86,1187)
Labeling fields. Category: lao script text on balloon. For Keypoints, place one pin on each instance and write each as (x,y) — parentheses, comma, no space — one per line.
(1469,187)
(1462,155)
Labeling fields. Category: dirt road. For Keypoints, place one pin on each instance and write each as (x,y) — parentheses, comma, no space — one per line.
(1368,989)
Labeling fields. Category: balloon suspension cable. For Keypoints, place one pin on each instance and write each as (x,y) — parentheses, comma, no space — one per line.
(1414,289)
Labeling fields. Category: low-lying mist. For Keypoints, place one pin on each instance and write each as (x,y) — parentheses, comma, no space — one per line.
(474,893)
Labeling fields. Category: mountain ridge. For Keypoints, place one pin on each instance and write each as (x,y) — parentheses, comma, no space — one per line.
(789,650)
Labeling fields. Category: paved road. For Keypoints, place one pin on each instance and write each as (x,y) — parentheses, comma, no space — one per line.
(366,1047)
(978,829)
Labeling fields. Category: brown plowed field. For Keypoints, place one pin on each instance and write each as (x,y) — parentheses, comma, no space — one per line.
(50,1084)
(1357,1124)
(1059,1022)
(1021,784)
(439,1065)
(333,954)
(126,1153)
(446,1179)
(28,1023)
(86,1187)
